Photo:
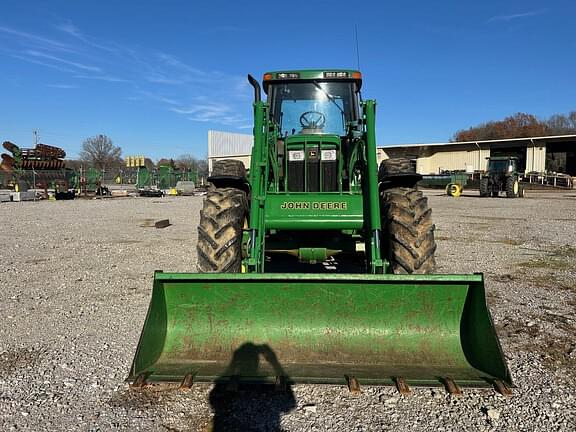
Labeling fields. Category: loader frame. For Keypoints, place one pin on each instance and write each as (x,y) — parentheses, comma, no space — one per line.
(326,197)
(355,209)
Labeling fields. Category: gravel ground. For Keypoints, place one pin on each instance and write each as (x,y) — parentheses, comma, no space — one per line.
(75,285)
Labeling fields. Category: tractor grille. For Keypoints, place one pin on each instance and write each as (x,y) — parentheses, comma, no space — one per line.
(313,170)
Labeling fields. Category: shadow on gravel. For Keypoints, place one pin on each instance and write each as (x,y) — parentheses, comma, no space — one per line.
(250,407)
(19,358)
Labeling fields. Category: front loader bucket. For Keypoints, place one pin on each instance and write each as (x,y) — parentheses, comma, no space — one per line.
(319,329)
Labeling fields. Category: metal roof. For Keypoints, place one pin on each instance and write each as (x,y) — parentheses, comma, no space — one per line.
(539,138)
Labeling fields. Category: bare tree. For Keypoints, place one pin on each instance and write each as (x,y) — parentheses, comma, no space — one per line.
(99,152)
(188,161)
(520,125)
(149,164)
(74,164)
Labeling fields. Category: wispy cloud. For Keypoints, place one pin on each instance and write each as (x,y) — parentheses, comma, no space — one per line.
(170,70)
(147,76)
(157,97)
(24,37)
(71,30)
(107,78)
(41,63)
(64,61)
(515,16)
(156,78)
(212,112)
(173,61)
(62,86)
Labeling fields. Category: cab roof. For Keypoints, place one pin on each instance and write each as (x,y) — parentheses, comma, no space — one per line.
(312,74)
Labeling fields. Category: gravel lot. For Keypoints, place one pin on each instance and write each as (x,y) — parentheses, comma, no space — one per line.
(75,284)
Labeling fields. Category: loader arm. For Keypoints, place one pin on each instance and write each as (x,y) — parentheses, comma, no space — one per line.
(315,194)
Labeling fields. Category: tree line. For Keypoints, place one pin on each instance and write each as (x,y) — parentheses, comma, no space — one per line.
(100,152)
(519,125)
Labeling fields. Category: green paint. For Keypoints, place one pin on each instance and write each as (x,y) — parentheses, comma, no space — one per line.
(374,326)
(321,327)
(312,255)
(353,205)
(313,211)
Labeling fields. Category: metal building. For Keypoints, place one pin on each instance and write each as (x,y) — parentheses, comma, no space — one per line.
(535,155)
(227,145)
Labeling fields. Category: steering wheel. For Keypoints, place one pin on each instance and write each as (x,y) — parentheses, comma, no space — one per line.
(312,120)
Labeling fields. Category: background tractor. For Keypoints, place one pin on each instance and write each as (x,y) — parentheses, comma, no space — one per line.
(501,176)
(320,257)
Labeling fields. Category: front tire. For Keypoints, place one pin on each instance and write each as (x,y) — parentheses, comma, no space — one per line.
(222,218)
(408,231)
(512,187)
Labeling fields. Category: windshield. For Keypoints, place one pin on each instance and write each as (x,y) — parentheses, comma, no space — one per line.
(499,165)
(312,107)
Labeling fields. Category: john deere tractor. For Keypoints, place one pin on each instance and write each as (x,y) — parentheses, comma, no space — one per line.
(501,176)
(319,258)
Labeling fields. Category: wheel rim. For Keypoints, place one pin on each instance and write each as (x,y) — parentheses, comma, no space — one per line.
(455,190)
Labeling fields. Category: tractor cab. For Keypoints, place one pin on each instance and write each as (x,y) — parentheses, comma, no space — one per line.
(502,165)
(313,102)
(315,112)
(501,176)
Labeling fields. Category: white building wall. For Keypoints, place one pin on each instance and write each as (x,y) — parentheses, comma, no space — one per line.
(470,160)
(536,158)
(227,145)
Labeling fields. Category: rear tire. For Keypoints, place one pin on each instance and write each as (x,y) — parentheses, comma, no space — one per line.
(229,167)
(512,187)
(219,245)
(407,231)
(484,187)
(395,166)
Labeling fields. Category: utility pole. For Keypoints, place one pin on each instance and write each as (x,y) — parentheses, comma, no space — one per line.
(35,134)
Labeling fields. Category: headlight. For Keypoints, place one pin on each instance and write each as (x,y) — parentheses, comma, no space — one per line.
(295,155)
(328,155)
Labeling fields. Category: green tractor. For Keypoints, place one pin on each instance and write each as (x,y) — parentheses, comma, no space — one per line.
(317,266)
(501,176)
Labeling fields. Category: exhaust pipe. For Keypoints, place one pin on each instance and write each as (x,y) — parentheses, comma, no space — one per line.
(254,83)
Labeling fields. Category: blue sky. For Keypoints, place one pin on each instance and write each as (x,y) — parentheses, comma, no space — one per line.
(156,75)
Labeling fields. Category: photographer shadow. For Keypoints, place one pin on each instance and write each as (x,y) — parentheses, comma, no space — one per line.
(240,406)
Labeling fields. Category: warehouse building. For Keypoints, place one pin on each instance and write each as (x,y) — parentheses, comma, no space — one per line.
(535,154)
